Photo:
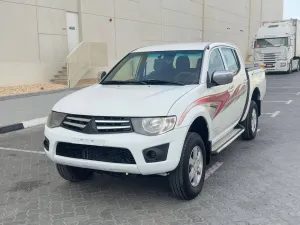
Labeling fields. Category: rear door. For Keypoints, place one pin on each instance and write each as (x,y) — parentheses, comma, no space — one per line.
(238,89)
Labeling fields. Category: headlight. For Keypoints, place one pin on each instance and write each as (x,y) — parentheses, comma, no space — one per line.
(153,126)
(55,119)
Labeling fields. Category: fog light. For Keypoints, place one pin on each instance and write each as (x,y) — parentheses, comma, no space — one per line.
(46,144)
(151,154)
(156,153)
(282,64)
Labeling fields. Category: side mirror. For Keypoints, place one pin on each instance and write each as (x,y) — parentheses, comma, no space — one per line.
(222,77)
(101,75)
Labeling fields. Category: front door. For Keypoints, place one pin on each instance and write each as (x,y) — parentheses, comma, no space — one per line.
(73,30)
(219,96)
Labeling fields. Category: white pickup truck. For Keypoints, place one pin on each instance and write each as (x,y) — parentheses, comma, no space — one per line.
(162,110)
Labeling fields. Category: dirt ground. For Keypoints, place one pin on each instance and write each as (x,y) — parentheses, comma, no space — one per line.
(25,89)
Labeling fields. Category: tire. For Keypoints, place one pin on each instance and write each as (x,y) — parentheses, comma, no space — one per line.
(179,179)
(248,124)
(298,66)
(290,70)
(73,174)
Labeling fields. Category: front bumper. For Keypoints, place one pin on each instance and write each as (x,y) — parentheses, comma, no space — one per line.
(279,66)
(136,143)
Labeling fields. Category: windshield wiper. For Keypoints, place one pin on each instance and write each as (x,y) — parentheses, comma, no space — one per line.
(162,82)
(117,82)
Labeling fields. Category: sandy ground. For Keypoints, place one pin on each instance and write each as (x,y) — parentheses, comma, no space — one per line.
(25,89)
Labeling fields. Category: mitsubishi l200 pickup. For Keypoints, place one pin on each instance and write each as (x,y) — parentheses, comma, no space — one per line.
(162,110)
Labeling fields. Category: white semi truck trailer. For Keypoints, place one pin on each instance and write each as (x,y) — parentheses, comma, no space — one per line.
(277,46)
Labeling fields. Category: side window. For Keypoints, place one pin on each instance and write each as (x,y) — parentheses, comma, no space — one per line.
(215,62)
(231,60)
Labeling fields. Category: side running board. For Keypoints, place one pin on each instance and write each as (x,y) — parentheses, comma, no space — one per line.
(227,140)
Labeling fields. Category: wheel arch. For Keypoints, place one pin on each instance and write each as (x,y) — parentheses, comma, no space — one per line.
(256,97)
(201,127)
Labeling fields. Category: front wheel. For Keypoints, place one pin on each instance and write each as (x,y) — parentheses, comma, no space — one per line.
(187,179)
(290,70)
(73,174)
(251,122)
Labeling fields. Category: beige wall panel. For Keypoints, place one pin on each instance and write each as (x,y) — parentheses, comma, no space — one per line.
(272,10)
(150,11)
(224,27)
(128,36)
(171,34)
(198,1)
(233,6)
(221,15)
(51,21)
(99,29)
(18,39)
(29,2)
(187,6)
(71,5)
(188,35)
(176,34)
(57,4)
(150,32)
(255,10)
(127,9)
(240,40)
(53,48)
(149,43)
(98,7)
(178,19)
(18,73)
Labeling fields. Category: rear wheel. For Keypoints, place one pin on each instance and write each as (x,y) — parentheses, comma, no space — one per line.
(251,122)
(298,66)
(73,174)
(187,179)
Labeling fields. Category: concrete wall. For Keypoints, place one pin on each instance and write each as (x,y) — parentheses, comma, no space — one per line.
(33,39)
(128,24)
(272,10)
(34,42)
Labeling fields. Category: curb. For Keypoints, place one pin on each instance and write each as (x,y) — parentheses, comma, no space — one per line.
(23,125)
(9,97)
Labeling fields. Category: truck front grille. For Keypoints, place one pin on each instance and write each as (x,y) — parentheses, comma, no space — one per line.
(97,124)
(95,153)
(269,57)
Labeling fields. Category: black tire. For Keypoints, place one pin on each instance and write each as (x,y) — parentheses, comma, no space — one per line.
(179,178)
(298,66)
(250,133)
(290,70)
(73,174)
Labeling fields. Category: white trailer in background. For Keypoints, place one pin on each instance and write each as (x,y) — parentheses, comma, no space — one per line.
(277,46)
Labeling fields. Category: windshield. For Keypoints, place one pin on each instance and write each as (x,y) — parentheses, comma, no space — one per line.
(271,42)
(157,68)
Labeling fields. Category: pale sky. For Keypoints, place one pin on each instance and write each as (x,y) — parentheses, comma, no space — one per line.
(291,9)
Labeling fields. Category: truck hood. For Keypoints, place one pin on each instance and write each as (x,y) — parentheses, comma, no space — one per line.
(123,100)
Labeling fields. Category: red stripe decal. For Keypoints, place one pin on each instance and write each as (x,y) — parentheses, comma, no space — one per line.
(221,100)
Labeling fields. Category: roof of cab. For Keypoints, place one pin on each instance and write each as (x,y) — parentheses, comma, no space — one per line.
(176,46)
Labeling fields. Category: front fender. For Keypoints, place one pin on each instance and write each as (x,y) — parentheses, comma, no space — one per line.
(191,114)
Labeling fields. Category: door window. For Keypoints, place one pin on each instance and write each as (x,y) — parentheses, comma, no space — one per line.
(231,60)
(215,62)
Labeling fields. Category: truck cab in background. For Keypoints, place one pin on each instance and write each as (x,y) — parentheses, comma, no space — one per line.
(277,46)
